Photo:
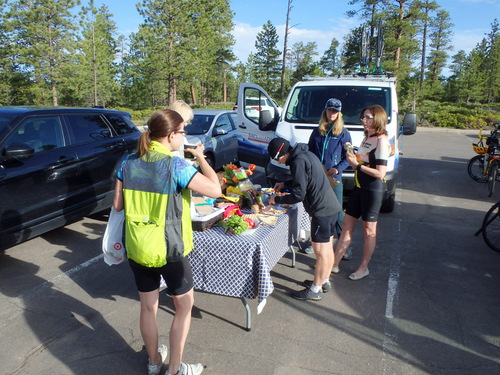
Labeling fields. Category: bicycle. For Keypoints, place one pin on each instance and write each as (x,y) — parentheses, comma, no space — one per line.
(491,227)
(485,166)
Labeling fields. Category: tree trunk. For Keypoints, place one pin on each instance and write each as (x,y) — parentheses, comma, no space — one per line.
(52,69)
(283,64)
(94,62)
(399,33)
(424,45)
(224,86)
(193,94)
(172,89)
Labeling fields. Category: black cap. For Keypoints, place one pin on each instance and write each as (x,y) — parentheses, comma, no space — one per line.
(278,147)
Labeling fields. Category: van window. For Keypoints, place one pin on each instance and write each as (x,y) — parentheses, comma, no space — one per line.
(307,103)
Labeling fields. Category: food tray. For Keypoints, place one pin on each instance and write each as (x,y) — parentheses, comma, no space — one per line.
(276,210)
(201,224)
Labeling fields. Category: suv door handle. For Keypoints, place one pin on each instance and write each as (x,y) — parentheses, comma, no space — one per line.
(61,161)
(242,126)
(118,144)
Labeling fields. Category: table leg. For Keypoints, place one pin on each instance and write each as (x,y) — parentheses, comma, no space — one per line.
(293,256)
(249,313)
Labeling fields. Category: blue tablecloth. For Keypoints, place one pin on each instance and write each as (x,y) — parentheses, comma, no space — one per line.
(240,265)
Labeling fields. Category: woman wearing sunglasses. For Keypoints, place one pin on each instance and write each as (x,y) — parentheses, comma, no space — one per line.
(153,188)
(365,200)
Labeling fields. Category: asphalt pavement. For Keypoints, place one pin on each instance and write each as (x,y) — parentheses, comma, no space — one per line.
(429,306)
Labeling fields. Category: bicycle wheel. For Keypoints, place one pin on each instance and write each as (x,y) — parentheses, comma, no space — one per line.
(491,227)
(475,168)
(492,177)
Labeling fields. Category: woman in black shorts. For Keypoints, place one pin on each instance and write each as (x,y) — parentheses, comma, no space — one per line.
(153,188)
(365,200)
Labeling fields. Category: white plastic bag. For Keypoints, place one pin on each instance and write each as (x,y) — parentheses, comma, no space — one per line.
(112,242)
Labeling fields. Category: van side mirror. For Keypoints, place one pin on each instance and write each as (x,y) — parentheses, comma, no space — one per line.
(410,124)
(267,121)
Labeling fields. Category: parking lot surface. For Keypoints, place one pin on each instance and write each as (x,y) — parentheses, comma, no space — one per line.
(429,306)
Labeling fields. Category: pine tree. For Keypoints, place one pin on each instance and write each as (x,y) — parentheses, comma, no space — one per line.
(425,8)
(45,35)
(440,43)
(329,62)
(267,61)
(350,56)
(98,52)
(302,60)
(492,64)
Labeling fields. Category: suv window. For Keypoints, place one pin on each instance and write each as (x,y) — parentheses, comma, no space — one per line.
(307,103)
(87,128)
(41,133)
(121,124)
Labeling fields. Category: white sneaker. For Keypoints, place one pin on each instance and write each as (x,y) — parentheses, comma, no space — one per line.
(155,369)
(187,369)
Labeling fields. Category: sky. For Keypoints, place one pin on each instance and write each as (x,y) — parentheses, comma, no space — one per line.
(318,21)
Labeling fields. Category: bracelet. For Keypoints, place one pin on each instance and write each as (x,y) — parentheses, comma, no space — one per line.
(358,168)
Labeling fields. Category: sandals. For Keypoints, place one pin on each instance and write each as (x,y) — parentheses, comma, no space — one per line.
(355,277)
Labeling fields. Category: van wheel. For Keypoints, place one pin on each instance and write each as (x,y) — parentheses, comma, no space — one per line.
(388,204)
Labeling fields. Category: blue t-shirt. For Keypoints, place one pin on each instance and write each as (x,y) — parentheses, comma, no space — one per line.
(183,172)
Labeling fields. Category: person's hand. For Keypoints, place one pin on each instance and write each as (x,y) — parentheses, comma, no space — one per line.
(332,172)
(352,161)
(197,151)
(271,200)
(278,186)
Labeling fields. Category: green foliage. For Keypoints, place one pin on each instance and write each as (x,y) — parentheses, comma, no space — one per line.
(44,35)
(459,116)
(267,58)
(97,52)
(330,62)
(183,50)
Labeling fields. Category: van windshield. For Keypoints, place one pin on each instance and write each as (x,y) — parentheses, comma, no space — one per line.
(307,102)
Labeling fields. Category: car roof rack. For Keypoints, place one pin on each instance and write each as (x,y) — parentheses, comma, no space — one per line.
(387,76)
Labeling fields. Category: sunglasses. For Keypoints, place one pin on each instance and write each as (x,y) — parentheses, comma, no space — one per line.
(183,132)
(366,118)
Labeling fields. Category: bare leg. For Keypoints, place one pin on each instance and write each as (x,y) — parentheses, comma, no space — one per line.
(180,329)
(149,328)
(324,261)
(345,238)
(370,229)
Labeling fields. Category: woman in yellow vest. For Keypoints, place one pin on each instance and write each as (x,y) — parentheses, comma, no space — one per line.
(153,187)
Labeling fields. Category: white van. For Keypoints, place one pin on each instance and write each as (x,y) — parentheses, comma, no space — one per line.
(301,114)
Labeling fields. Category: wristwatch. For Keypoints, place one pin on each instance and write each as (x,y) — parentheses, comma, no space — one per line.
(358,167)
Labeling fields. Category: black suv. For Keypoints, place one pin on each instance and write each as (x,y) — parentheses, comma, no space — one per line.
(57,165)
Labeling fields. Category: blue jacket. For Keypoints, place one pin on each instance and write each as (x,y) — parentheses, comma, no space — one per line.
(334,155)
